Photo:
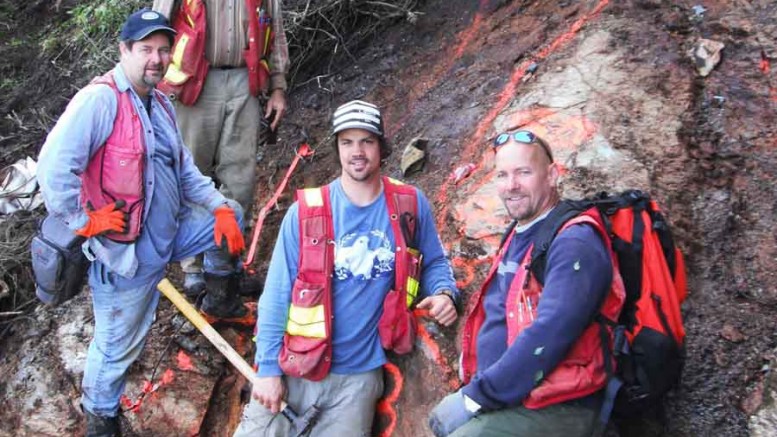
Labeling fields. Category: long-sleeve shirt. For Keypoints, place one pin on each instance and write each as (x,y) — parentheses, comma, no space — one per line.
(170,176)
(577,277)
(364,273)
(227,35)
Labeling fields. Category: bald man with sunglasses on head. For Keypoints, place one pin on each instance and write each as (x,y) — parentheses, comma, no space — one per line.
(532,362)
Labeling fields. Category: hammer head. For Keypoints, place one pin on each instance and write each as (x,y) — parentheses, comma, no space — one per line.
(303,424)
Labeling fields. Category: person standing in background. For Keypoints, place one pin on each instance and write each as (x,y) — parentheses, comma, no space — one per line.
(228,81)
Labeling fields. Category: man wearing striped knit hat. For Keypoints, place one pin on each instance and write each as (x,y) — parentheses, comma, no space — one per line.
(345,274)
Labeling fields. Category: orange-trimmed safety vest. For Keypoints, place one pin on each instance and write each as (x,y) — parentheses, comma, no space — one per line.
(188,68)
(582,371)
(307,343)
(116,171)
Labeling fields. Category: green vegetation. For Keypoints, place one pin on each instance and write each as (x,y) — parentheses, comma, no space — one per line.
(49,50)
(103,18)
(90,30)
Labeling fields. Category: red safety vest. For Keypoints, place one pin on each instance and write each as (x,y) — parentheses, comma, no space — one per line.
(582,371)
(116,171)
(188,68)
(307,343)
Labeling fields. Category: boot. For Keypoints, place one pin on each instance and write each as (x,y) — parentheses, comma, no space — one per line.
(193,284)
(101,426)
(221,298)
(251,285)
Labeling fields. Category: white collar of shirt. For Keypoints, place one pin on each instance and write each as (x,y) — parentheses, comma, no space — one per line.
(524,228)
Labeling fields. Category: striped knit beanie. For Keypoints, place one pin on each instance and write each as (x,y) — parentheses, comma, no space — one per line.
(360,115)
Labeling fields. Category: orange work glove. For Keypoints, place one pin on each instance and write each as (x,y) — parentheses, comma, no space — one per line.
(226,227)
(109,218)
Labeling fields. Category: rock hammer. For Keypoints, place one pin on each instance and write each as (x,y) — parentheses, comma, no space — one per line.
(301,424)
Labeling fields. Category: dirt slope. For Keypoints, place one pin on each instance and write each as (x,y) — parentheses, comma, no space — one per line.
(616,93)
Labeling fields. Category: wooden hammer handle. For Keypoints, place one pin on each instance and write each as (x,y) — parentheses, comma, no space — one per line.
(194,316)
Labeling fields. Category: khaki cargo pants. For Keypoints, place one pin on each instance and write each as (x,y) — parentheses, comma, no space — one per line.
(222,130)
(346,404)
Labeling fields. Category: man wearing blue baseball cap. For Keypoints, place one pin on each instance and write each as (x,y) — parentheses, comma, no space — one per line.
(114,169)
(143,23)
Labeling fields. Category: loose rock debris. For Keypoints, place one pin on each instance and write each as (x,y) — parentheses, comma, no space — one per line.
(706,55)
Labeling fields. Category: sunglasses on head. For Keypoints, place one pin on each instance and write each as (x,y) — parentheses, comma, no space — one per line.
(525,137)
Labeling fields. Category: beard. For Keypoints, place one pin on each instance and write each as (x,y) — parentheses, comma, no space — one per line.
(520,209)
(153,75)
(364,171)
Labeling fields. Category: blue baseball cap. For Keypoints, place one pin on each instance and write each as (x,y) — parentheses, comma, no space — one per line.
(143,23)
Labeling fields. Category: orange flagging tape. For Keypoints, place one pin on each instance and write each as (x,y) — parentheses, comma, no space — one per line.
(148,389)
(302,152)
(184,361)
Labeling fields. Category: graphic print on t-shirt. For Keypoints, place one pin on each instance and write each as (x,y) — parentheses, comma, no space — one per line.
(363,256)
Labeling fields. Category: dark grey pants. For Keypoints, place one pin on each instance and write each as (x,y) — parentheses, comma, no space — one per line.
(560,420)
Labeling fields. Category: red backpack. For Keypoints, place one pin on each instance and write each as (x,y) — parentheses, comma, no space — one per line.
(649,335)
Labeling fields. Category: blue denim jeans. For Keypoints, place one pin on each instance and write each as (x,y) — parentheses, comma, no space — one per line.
(124,309)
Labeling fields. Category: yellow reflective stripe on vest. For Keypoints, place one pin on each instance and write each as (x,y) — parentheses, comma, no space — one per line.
(412,290)
(307,321)
(188,16)
(180,48)
(175,76)
(395,181)
(266,45)
(413,276)
(313,197)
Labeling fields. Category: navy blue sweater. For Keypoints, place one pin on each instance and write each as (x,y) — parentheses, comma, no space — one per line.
(578,274)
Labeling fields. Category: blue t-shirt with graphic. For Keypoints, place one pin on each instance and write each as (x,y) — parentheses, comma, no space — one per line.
(363,275)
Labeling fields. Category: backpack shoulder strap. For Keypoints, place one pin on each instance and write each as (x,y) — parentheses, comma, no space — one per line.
(506,234)
(562,213)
